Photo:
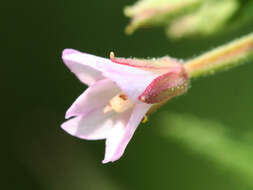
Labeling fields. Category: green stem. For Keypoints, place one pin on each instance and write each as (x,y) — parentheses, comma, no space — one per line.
(222,58)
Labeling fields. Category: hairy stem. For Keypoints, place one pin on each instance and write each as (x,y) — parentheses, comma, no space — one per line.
(222,58)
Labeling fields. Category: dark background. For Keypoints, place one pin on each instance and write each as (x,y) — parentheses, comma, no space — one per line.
(37,89)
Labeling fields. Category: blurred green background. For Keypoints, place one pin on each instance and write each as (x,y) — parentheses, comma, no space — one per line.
(202,140)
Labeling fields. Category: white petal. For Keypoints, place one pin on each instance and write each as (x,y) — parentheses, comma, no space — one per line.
(132,80)
(121,134)
(93,126)
(81,67)
(97,95)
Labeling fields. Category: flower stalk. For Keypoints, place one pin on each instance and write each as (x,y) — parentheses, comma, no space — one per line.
(222,58)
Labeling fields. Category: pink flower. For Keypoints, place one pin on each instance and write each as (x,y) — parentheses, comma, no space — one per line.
(121,92)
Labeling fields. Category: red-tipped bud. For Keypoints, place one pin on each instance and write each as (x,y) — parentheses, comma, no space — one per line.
(166,86)
(171,78)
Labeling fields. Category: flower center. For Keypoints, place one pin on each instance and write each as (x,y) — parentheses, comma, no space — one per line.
(119,104)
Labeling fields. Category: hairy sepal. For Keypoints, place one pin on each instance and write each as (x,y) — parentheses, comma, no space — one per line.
(164,87)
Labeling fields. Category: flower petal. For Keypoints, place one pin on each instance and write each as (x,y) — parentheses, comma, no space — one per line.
(92,126)
(88,68)
(132,81)
(80,66)
(121,134)
(97,95)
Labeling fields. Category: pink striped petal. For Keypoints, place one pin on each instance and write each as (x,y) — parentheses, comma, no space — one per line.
(121,134)
(97,95)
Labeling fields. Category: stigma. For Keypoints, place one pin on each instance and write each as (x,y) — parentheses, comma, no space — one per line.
(119,103)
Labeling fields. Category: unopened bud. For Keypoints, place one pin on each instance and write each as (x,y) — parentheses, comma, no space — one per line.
(154,12)
(172,77)
(173,83)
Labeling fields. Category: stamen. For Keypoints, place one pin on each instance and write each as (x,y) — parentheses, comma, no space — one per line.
(145,119)
(112,56)
(108,108)
(142,98)
(120,103)
(123,96)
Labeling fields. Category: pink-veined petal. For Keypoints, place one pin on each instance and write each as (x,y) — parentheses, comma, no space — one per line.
(132,80)
(97,95)
(81,67)
(94,125)
(120,135)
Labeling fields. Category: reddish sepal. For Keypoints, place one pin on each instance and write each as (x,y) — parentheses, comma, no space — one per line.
(166,86)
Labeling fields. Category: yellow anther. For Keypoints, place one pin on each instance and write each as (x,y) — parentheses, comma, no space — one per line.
(145,119)
(142,98)
(112,56)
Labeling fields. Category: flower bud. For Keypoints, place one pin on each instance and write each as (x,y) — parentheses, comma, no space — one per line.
(169,77)
(147,13)
(205,20)
(166,86)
